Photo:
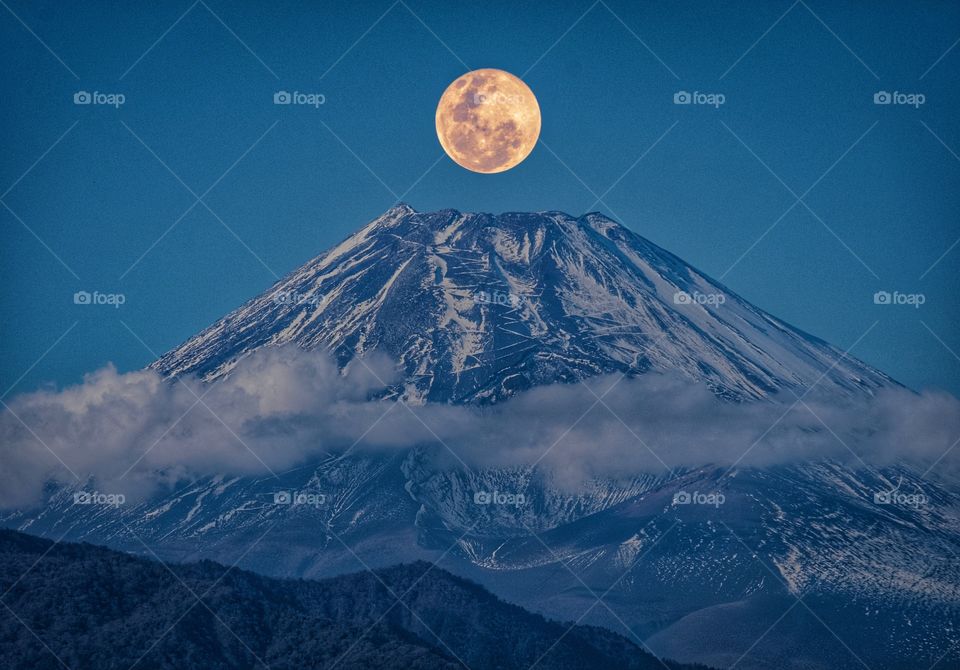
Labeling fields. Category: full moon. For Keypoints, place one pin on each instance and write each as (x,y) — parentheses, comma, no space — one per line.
(488,121)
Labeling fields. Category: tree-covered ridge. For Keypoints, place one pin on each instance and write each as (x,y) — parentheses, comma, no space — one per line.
(97,608)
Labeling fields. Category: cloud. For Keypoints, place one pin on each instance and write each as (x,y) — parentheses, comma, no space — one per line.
(282,406)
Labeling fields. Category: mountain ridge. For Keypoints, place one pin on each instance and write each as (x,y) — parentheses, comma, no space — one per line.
(92,606)
(476,307)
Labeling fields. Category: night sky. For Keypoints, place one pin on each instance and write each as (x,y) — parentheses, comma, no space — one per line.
(798,192)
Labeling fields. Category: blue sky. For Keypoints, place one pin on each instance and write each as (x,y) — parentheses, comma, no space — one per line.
(799,192)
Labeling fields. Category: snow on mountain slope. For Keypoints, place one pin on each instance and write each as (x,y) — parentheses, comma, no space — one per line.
(476,307)
(699,582)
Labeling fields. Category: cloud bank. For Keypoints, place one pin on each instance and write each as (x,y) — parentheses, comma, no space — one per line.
(282,406)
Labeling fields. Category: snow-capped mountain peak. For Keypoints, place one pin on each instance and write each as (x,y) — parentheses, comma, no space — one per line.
(476,307)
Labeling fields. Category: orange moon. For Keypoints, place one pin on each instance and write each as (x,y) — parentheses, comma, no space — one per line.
(488,121)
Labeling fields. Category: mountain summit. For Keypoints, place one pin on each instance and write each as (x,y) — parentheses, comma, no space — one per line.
(476,307)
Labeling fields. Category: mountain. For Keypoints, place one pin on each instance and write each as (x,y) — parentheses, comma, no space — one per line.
(477,307)
(799,567)
(718,585)
(90,607)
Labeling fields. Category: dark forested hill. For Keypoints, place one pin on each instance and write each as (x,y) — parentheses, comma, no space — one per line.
(82,606)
